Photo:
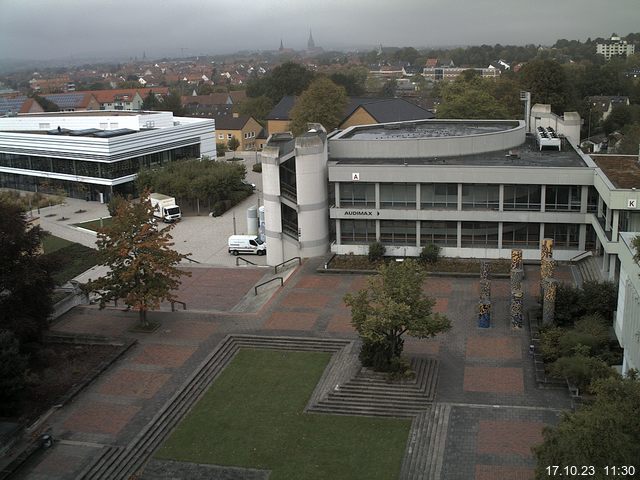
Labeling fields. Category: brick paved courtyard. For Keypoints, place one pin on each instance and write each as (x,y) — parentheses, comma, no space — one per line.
(485,374)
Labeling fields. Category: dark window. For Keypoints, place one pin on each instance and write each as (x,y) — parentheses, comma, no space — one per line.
(480,234)
(398,232)
(480,197)
(564,235)
(398,195)
(522,197)
(560,197)
(357,231)
(358,195)
(444,234)
(439,195)
(520,235)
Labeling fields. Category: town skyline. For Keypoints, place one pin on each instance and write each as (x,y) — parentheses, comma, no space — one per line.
(61,31)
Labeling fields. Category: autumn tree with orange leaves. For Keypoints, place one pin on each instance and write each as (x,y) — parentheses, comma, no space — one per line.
(142,265)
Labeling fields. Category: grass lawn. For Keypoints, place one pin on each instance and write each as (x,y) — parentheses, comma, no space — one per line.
(94,224)
(71,258)
(252,416)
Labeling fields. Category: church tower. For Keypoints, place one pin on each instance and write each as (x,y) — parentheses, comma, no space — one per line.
(310,43)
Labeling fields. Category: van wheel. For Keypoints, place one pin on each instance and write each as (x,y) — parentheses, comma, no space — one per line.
(234,252)
(260,252)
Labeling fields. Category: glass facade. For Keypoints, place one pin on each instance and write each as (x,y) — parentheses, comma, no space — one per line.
(562,198)
(480,234)
(480,196)
(288,179)
(520,235)
(565,235)
(357,231)
(439,195)
(522,197)
(398,232)
(289,221)
(358,195)
(443,234)
(398,195)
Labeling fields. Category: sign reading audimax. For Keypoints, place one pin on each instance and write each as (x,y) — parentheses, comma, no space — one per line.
(361,213)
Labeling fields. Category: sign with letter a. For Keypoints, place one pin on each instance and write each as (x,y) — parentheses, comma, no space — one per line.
(355,177)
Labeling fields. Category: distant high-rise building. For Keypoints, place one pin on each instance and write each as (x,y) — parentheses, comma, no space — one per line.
(281,45)
(615,47)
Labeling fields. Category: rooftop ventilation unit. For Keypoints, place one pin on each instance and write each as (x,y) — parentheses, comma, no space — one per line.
(547,137)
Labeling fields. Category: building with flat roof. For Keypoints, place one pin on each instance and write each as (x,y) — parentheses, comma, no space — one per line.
(476,188)
(95,154)
(614,47)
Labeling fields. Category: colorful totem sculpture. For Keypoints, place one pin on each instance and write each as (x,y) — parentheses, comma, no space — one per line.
(484,305)
(517,275)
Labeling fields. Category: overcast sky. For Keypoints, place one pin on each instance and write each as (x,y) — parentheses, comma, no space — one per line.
(51,29)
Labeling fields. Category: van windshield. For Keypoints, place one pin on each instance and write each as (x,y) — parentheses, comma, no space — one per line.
(258,241)
(172,210)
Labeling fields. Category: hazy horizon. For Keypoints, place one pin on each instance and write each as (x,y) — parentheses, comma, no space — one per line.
(61,30)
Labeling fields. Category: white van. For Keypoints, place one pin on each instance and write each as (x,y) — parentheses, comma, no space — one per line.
(246,244)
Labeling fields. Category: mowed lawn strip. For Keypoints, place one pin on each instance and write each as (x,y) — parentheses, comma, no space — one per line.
(252,416)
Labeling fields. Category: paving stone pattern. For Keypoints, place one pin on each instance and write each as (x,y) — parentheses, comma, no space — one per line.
(486,385)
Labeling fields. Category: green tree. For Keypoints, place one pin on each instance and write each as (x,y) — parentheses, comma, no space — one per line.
(547,82)
(388,88)
(257,107)
(221,148)
(151,102)
(470,97)
(233,145)
(392,305)
(323,102)
(172,103)
(25,276)
(604,433)
(13,367)
(46,104)
(290,78)
(142,265)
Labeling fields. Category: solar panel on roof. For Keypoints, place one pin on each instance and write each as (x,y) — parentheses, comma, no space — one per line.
(11,104)
(65,100)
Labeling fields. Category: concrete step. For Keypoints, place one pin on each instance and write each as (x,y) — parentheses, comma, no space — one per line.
(401,404)
(370,411)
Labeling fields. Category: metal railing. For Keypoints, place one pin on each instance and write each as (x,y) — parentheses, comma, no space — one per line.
(192,260)
(255,289)
(581,256)
(244,260)
(173,305)
(275,269)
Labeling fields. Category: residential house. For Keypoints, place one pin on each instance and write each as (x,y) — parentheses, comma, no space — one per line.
(359,111)
(18,104)
(606,104)
(74,101)
(243,127)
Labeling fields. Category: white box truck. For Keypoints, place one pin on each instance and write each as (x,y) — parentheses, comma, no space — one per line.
(246,244)
(165,207)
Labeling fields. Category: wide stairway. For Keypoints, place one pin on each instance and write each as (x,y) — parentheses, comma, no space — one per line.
(589,269)
(373,393)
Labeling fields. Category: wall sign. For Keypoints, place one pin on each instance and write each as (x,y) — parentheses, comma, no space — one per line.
(632,203)
(361,213)
(355,177)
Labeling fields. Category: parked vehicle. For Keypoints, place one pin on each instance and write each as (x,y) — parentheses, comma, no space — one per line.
(165,207)
(246,244)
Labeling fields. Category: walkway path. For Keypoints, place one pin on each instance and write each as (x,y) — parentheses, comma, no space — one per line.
(487,412)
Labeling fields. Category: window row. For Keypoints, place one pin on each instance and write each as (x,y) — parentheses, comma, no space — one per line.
(445,234)
(473,196)
(97,169)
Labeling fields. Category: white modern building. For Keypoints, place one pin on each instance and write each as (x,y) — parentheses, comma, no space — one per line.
(614,47)
(627,316)
(95,154)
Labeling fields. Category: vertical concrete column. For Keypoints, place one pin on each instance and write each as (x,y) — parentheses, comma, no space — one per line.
(459,239)
(377,190)
(615,221)
(418,241)
(584,196)
(312,193)
(582,237)
(600,205)
(338,232)
(541,234)
(607,220)
(612,267)
(459,197)
(543,200)
(500,200)
(377,230)
(272,207)
(500,235)
(418,196)
(336,192)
